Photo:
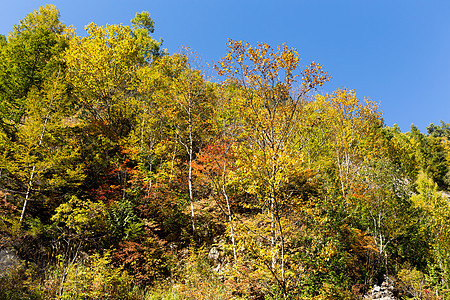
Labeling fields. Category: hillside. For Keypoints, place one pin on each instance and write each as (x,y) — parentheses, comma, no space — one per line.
(125,173)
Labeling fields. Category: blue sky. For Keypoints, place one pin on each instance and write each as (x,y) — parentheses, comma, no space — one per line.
(395,52)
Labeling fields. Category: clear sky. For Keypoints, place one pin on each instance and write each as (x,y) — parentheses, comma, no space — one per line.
(395,52)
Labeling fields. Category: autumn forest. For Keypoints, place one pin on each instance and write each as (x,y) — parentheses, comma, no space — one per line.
(127,173)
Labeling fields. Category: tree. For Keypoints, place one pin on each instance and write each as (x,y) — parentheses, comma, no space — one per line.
(34,104)
(193,96)
(432,152)
(350,128)
(271,133)
(436,210)
(142,26)
(30,56)
(102,68)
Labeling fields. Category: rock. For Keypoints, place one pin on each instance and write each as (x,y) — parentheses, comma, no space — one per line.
(217,268)
(8,259)
(214,254)
(383,292)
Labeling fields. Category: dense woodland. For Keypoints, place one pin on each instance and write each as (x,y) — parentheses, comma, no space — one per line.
(126,173)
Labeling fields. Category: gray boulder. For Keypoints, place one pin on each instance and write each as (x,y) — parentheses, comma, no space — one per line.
(8,260)
(383,292)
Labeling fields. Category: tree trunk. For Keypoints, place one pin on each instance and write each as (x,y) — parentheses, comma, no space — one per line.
(228,206)
(190,150)
(33,171)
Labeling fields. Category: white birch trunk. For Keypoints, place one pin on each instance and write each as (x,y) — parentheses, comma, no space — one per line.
(33,171)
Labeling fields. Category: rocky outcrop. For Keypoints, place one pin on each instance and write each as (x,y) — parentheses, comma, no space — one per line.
(383,292)
(8,259)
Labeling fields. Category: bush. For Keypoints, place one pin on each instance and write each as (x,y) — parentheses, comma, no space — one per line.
(18,283)
(95,278)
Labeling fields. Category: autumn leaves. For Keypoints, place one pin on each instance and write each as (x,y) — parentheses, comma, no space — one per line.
(125,147)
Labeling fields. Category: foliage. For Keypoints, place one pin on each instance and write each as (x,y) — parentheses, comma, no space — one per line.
(82,216)
(413,282)
(94,278)
(271,129)
(126,173)
(30,56)
(146,260)
(17,283)
(436,213)
(197,280)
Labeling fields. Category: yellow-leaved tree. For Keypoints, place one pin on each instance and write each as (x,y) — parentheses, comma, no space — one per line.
(268,147)
(436,208)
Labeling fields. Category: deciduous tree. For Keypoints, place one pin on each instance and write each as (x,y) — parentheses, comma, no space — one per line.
(271,135)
